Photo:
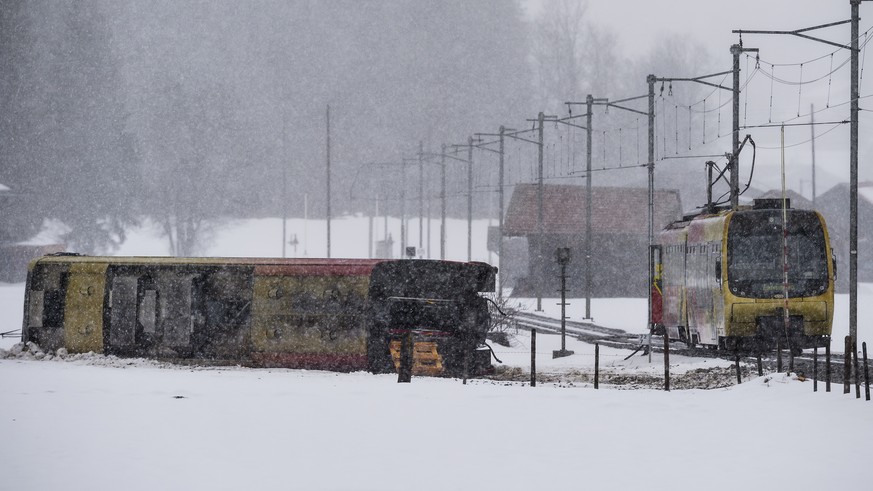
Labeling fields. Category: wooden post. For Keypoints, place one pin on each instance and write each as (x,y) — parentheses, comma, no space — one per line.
(815,369)
(467,350)
(847,365)
(828,367)
(404,373)
(760,366)
(739,372)
(779,354)
(855,366)
(666,362)
(597,365)
(866,373)
(533,357)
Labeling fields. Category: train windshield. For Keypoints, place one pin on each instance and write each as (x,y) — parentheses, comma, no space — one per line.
(755,254)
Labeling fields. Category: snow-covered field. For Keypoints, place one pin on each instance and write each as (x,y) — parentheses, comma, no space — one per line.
(92,422)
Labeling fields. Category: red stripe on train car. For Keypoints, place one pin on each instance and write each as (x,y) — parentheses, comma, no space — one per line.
(324,267)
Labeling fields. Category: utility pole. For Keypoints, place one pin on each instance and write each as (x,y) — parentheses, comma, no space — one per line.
(589,102)
(853,184)
(284,185)
(812,141)
(402,208)
(500,273)
(443,203)
(540,224)
(469,198)
(500,184)
(328,180)
(736,51)
(651,226)
(375,213)
(469,162)
(420,197)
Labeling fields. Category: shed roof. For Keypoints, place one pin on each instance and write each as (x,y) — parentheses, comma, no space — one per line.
(614,210)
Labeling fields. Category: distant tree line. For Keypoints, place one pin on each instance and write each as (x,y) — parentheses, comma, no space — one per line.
(186,112)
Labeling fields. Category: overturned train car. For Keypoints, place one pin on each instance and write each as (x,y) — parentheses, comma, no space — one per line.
(719,279)
(331,314)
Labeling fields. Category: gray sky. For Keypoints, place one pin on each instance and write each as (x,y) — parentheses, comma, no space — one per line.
(640,23)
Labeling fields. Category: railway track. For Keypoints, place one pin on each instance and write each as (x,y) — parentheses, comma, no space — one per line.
(584,331)
(617,338)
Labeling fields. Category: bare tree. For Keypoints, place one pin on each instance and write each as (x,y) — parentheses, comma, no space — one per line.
(572,56)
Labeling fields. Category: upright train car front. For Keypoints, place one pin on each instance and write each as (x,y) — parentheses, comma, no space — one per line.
(729,278)
(759,254)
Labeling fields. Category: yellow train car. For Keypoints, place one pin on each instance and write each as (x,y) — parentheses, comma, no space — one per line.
(722,279)
(295,313)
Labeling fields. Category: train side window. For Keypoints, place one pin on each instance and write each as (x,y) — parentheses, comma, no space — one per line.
(122,323)
(54,298)
(176,322)
(147,309)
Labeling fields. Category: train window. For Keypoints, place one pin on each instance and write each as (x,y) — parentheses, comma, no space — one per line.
(52,298)
(146,305)
(175,309)
(122,322)
(226,298)
(146,310)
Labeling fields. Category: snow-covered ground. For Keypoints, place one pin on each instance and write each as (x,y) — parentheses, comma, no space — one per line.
(93,422)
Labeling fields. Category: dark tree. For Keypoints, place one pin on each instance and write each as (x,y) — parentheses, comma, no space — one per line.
(72,158)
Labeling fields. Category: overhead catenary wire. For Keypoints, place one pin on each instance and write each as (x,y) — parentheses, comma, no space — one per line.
(804,142)
(812,60)
(772,74)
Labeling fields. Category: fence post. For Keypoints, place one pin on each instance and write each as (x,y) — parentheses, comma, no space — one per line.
(857,372)
(815,369)
(779,354)
(533,357)
(739,372)
(866,373)
(828,367)
(666,362)
(847,365)
(760,366)
(404,373)
(597,365)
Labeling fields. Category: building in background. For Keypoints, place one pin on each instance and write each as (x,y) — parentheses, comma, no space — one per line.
(834,205)
(619,237)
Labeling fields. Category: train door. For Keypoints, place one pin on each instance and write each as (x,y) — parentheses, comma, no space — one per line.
(716,289)
(656,317)
(222,305)
(83,317)
(175,323)
(122,325)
